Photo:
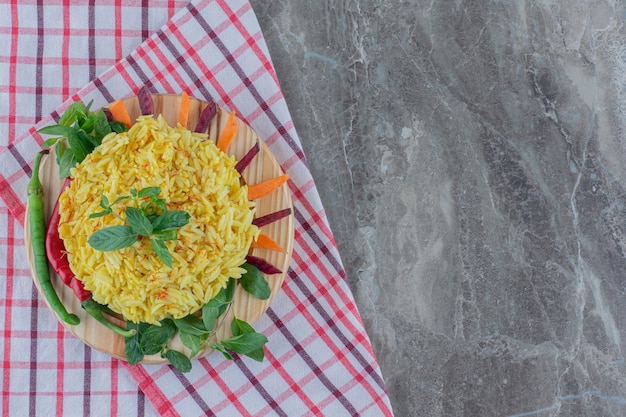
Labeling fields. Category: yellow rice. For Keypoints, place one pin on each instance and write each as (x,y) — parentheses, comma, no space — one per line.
(195,176)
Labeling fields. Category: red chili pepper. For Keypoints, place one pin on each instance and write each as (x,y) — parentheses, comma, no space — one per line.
(57,257)
(55,249)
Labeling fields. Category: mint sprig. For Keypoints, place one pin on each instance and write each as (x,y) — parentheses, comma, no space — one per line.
(83,131)
(147,218)
(194,332)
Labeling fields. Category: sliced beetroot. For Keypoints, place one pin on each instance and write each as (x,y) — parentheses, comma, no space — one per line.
(248,157)
(108,114)
(146,105)
(263,265)
(271,218)
(206,117)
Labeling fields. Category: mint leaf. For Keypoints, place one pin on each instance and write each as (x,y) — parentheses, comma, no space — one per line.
(133,350)
(254,283)
(239,327)
(162,252)
(165,236)
(72,113)
(171,220)
(87,123)
(88,140)
(149,191)
(57,130)
(229,291)
(222,349)
(138,222)
(218,305)
(77,146)
(224,297)
(191,325)
(112,238)
(194,342)
(178,360)
(245,343)
(104,201)
(66,162)
(154,338)
(118,127)
(101,126)
(209,316)
(50,142)
(256,354)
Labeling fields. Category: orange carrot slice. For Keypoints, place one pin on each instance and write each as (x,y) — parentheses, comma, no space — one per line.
(265,242)
(183,111)
(120,113)
(229,132)
(266,187)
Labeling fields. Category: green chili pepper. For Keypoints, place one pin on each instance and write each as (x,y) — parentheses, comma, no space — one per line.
(95,310)
(37,225)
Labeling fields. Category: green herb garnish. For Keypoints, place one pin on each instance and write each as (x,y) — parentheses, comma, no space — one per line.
(254,283)
(148,218)
(194,332)
(83,130)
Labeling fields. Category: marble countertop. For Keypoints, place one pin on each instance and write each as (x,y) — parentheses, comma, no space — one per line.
(471,158)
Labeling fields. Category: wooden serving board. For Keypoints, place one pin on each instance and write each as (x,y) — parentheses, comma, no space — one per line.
(245,306)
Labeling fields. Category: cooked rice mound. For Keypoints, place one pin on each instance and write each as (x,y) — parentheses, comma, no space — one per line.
(195,176)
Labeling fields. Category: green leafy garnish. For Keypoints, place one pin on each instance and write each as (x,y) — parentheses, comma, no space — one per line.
(178,360)
(154,338)
(254,283)
(249,344)
(78,132)
(83,130)
(148,218)
(151,339)
(218,305)
(113,238)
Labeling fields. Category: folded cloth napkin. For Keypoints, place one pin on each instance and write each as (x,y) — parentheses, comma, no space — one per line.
(319,360)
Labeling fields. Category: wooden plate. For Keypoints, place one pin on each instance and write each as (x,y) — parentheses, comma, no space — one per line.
(245,306)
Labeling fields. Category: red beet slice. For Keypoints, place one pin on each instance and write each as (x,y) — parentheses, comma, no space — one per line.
(271,218)
(207,115)
(108,114)
(263,265)
(146,105)
(248,157)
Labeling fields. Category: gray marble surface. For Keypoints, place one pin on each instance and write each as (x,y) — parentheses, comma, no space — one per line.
(471,157)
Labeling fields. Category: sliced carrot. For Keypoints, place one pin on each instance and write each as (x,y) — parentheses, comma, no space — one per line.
(183,111)
(266,187)
(120,113)
(229,132)
(265,242)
